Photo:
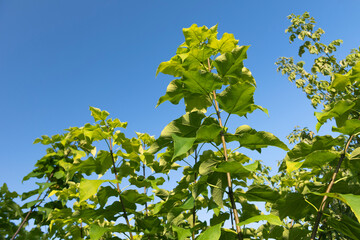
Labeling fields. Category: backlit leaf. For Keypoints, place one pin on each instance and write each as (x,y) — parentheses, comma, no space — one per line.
(272,219)
(182,145)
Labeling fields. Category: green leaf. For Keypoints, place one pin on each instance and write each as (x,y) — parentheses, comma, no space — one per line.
(238,99)
(302,149)
(235,167)
(350,127)
(353,201)
(182,145)
(174,93)
(262,193)
(208,133)
(172,67)
(98,114)
(212,233)
(218,184)
(185,126)
(195,35)
(226,44)
(285,206)
(96,232)
(230,64)
(272,219)
(252,139)
(355,155)
(340,82)
(89,188)
(337,111)
(201,82)
(318,158)
(182,233)
(208,160)
(188,204)
(346,226)
(196,102)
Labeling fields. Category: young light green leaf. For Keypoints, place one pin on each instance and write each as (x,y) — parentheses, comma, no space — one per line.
(226,44)
(98,114)
(89,188)
(272,219)
(174,93)
(195,35)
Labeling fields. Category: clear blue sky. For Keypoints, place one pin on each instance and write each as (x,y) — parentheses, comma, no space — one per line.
(57,58)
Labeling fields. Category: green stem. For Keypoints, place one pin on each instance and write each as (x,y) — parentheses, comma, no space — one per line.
(31,209)
(228,175)
(119,191)
(322,205)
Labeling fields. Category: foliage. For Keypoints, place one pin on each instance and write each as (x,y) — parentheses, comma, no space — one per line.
(96,183)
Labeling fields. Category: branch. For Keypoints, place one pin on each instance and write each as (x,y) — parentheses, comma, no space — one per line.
(322,205)
(230,193)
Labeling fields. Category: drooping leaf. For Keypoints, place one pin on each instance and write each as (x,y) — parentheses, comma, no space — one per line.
(238,99)
(208,133)
(174,93)
(185,126)
(262,193)
(337,111)
(272,219)
(218,183)
(252,139)
(172,67)
(196,102)
(350,127)
(212,233)
(316,159)
(182,145)
(346,226)
(230,64)
(353,201)
(302,149)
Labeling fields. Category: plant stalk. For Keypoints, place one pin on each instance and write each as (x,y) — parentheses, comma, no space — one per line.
(228,175)
(194,208)
(30,211)
(119,191)
(323,202)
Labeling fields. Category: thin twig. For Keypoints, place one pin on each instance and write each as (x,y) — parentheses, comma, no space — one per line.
(31,209)
(322,205)
(119,191)
(194,208)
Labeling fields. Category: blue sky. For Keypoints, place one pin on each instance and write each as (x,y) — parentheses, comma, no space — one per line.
(57,58)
